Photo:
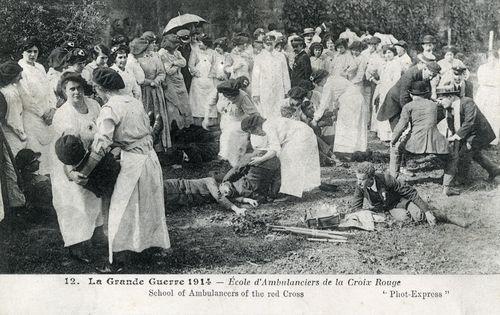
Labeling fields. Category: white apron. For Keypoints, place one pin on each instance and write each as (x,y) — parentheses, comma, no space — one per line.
(351,129)
(201,87)
(137,212)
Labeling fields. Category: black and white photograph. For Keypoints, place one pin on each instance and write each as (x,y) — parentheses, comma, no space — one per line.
(249,137)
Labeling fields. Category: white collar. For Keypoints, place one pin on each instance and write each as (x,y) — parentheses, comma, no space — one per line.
(374,186)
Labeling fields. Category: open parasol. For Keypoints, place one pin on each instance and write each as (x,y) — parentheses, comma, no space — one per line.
(182,21)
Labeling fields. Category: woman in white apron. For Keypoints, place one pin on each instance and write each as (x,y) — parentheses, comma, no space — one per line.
(202,85)
(137,210)
(390,72)
(295,145)
(39,103)
(79,211)
(351,134)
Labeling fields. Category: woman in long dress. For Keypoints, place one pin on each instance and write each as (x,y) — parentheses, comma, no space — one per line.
(153,97)
(239,65)
(79,211)
(351,134)
(295,145)
(13,129)
(174,87)
(233,104)
(270,79)
(390,72)
(488,93)
(118,58)
(202,85)
(137,210)
(39,104)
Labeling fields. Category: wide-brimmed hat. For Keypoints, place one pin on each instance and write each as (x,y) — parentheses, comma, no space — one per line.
(25,157)
(447,90)
(402,44)
(319,75)
(75,56)
(138,45)
(150,36)
(426,58)
(8,71)
(308,30)
(57,58)
(419,88)
(458,66)
(428,39)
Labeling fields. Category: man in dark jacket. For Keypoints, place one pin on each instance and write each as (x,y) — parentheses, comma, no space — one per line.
(301,68)
(470,131)
(399,95)
(385,193)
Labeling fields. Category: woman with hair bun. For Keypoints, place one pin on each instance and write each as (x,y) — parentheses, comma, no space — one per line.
(39,102)
(118,59)
(100,55)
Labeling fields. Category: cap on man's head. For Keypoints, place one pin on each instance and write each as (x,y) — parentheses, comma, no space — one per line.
(428,39)
(434,67)
(308,30)
(419,88)
(25,157)
(458,67)
(70,149)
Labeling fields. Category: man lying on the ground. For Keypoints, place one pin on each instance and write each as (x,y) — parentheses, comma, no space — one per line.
(260,182)
(193,192)
(385,193)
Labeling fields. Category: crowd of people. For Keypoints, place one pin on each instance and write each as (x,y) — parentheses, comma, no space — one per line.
(92,126)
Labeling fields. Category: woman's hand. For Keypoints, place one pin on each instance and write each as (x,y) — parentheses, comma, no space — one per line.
(78,178)
(48,116)
(255,160)
(430,218)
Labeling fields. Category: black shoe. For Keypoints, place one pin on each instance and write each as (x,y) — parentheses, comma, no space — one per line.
(79,255)
(110,268)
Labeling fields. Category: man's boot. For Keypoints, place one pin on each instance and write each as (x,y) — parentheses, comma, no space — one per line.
(492,169)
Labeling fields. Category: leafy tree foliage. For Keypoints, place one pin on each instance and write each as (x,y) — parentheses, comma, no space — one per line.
(53,22)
